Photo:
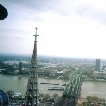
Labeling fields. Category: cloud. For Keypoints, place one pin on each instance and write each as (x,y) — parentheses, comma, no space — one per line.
(66,27)
(38,5)
(89,12)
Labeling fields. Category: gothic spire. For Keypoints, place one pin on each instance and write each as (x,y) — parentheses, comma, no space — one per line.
(32,86)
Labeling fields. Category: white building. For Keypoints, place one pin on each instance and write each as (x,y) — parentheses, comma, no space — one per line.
(100,74)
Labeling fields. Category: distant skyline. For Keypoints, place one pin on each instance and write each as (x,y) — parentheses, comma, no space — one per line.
(68,28)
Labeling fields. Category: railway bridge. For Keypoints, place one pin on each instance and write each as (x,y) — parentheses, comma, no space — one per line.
(72,91)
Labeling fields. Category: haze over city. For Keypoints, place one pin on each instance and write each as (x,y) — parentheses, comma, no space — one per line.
(70,28)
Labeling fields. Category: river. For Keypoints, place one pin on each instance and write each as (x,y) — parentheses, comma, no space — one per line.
(19,83)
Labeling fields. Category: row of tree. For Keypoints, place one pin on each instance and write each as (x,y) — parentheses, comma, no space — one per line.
(6,68)
(93,101)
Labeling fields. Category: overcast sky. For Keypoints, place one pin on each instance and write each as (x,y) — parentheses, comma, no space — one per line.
(69,28)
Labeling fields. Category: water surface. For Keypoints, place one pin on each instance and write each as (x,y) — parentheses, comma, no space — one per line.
(19,83)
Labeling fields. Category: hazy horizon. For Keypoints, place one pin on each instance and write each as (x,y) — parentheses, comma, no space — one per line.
(50,56)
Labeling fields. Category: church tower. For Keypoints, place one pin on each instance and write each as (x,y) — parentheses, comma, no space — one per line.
(32,93)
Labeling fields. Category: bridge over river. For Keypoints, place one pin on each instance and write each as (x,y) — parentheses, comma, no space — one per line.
(72,91)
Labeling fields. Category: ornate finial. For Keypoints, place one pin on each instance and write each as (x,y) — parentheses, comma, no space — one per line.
(36,34)
(36,30)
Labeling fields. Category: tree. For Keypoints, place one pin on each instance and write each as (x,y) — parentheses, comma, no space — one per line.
(10,93)
(46,96)
(55,95)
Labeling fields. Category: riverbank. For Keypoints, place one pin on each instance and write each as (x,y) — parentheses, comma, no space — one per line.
(97,80)
(19,84)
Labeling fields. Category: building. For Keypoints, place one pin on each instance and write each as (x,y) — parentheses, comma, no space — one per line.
(20,67)
(32,93)
(98,65)
(99,75)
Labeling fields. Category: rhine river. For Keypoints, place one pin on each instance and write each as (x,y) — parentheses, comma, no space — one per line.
(19,83)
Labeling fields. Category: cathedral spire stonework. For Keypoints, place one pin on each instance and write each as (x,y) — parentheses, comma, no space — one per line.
(32,93)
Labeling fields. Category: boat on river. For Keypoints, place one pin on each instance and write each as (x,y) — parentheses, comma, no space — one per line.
(60,88)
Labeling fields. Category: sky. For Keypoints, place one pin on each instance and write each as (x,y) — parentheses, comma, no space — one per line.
(68,28)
